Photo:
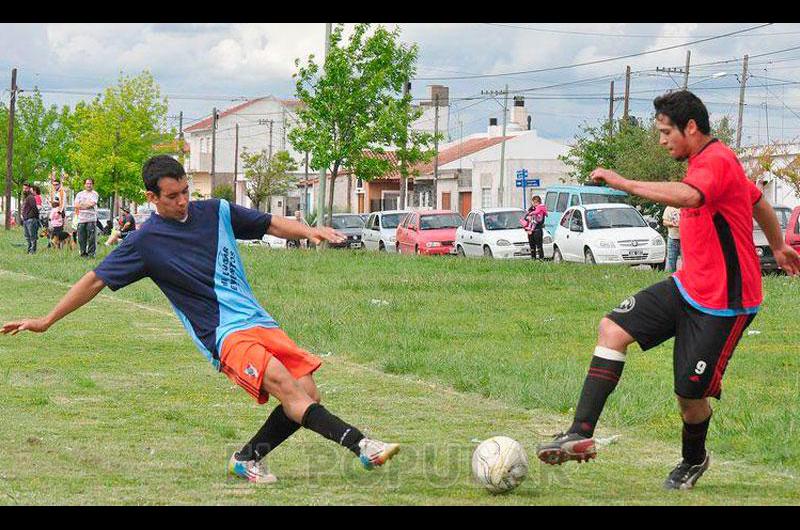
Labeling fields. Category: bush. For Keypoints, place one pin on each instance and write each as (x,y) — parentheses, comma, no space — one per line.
(223,191)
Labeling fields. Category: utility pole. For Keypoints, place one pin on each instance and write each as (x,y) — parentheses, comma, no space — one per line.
(436,148)
(322,175)
(270,138)
(213,149)
(10,146)
(501,187)
(283,127)
(611,111)
(235,162)
(305,188)
(180,135)
(403,179)
(686,71)
(503,143)
(627,92)
(743,81)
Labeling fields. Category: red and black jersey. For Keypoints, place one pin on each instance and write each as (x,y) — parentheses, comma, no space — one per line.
(721,274)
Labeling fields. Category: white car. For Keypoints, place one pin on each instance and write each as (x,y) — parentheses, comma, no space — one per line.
(497,233)
(267,240)
(607,233)
(380,230)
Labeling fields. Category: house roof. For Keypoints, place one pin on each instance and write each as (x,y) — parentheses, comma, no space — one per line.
(206,122)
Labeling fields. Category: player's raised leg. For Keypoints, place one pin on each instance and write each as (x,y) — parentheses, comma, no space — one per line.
(604,373)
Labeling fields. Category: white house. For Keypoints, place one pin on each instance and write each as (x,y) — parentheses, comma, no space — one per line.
(776,190)
(263,123)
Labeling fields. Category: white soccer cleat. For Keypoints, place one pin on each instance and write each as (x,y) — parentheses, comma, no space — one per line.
(250,470)
(376,453)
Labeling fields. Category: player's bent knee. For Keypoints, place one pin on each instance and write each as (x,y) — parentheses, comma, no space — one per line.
(611,335)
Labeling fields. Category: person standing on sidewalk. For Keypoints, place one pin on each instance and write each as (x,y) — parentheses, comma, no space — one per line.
(671,220)
(30,218)
(86,206)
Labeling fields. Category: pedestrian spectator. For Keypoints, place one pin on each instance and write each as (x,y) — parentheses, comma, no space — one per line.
(533,222)
(57,193)
(671,220)
(127,224)
(56,234)
(86,209)
(30,218)
(37,195)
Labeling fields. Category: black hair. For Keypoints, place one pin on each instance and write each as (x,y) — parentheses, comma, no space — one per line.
(161,166)
(37,190)
(680,107)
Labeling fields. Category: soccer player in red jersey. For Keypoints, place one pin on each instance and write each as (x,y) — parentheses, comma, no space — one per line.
(706,306)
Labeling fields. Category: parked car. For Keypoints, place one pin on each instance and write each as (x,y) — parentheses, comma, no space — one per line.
(364,216)
(559,198)
(607,233)
(496,233)
(141,216)
(763,250)
(428,232)
(268,241)
(104,221)
(349,224)
(793,230)
(380,230)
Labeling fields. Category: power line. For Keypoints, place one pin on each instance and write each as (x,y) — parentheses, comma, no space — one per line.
(629,35)
(599,61)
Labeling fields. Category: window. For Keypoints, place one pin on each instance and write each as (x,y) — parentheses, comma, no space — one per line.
(614,218)
(576,223)
(565,219)
(390,220)
(477,224)
(597,198)
(468,222)
(486,198)
(563,197)
(372,222)
(550,201)
(341,222)
(435,222)
(574,201)
(507,220)
(783,216)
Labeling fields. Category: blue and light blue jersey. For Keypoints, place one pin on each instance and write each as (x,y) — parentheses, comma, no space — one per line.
(197,266)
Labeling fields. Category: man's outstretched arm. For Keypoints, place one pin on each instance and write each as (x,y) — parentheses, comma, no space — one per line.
(675,194)
(81,293)
(786,257)
(291,229)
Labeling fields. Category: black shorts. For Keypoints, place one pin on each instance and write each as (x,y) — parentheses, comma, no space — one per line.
(703,343)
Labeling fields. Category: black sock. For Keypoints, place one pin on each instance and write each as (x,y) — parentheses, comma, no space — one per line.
(319,420)
(600,382)
(275,430)
(694,441)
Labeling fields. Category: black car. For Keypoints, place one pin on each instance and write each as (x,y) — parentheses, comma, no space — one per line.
(349,224)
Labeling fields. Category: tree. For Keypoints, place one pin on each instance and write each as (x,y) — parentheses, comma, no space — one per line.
(223,191)
(267,176)
(35,140)
(118,133)
(349,111)
(724,131)
(775,159)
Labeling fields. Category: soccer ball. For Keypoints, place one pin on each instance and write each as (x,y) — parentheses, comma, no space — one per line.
(499,464)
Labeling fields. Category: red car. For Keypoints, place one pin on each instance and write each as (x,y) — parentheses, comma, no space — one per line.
(793,230)
(428,232)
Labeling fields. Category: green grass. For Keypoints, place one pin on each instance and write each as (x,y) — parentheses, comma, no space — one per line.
(114,405)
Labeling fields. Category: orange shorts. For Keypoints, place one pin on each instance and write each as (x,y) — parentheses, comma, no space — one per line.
(245,355)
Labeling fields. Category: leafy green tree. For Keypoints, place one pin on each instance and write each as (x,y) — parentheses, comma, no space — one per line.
(724,131)
(118,133)
(267,176)
(223,191)
(350,110)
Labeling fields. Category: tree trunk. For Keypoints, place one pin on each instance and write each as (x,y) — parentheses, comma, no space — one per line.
(349,192)
(330,198)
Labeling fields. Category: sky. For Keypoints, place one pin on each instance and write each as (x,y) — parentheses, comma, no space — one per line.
(199,66)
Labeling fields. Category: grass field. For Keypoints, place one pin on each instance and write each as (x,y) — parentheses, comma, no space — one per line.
(114,405)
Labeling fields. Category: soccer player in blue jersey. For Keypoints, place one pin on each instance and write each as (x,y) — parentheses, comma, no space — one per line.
(189,250)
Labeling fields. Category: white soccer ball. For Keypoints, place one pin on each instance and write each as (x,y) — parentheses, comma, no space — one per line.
(499,464)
